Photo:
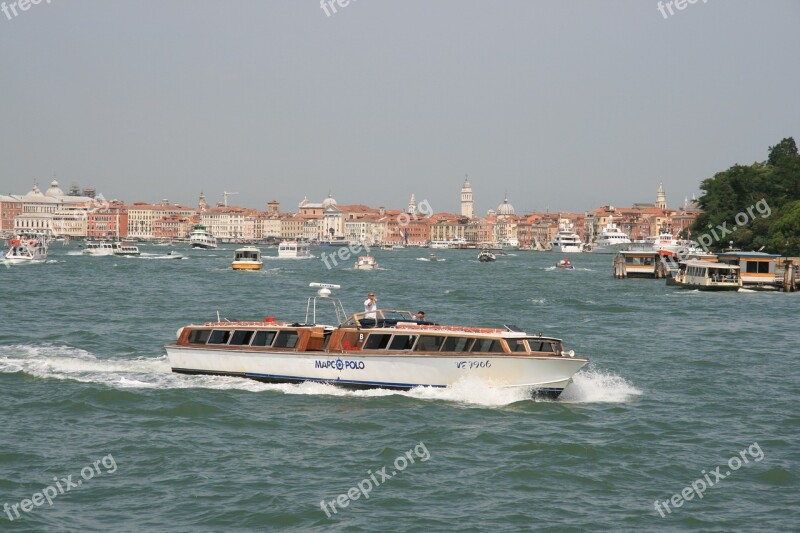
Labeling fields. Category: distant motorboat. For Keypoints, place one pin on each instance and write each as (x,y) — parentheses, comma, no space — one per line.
(294,250)
(433,257)
(174,255)
(486,256)
(566,264)
(26,248)
(98,249)
(366,262)
(247,258)
(125,249)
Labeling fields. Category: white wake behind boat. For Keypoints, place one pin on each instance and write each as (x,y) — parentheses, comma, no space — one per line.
(379,349)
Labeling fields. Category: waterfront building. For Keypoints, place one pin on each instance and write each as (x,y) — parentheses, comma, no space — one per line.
(70,221)
(10,208)
(230,224)
(141,217)
(110,222)
(172,227)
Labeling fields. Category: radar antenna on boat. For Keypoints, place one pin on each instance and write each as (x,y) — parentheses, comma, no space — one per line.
(324,293)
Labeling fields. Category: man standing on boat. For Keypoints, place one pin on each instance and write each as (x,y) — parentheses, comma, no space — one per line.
(370,306)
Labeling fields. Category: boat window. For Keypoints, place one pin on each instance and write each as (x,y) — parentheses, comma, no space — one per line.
(429,343)
(219,336)
(519,346)
(241,337)
(487,345)
(457,344)
(263,338)
(286,339)
(199,336)
(377,341)
(402,342)
(540,346)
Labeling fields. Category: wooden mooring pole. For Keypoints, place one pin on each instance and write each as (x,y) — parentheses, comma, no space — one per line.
(619,267)
(789,281)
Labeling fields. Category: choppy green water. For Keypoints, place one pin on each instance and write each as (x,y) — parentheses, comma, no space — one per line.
(679,383)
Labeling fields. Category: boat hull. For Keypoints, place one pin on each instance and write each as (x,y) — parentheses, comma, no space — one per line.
(247,266)
(546,375)
(567,249)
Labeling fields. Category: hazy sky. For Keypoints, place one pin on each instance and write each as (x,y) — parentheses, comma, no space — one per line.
(563,104)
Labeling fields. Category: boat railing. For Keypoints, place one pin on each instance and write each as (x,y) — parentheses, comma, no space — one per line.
(379,318)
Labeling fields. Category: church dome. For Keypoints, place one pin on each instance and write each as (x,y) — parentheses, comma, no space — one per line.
(35,191)
(505,208)
(54,190)
(328,202)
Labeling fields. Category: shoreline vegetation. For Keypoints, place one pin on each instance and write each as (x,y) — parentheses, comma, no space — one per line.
(775,181)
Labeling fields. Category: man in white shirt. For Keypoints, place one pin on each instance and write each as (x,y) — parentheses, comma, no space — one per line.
(370,306)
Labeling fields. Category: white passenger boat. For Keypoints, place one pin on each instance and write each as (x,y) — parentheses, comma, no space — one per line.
(566,240)
(611,240)
(247,258)
(200,237)
(121,248)
(26,248)
(366,262)
(392,350)
(98,248)
(294,250)
(709,276)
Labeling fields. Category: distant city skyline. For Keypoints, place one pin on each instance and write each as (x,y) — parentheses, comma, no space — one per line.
(661,200)
(562,106)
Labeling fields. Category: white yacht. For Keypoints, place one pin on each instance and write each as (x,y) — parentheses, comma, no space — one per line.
(200,237)
(611,240)
(98,248)
(566,240)
(294,250)
(27,248)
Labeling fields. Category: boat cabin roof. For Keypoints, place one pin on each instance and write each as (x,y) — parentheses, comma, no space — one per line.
(747,255)
(709,264)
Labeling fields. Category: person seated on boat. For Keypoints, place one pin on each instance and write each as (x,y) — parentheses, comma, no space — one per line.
(420,316)
(370,306)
